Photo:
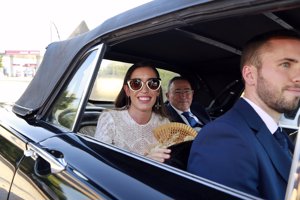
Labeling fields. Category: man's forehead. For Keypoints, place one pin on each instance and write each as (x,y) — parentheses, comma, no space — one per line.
(288,46)
(283,41)
(183,89)
(181,83)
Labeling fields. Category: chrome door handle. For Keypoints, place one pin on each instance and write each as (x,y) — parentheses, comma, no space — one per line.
(57,164)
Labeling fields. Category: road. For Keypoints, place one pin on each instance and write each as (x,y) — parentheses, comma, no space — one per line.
(11,88)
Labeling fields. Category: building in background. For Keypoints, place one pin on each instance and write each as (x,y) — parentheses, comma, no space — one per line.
(20,62)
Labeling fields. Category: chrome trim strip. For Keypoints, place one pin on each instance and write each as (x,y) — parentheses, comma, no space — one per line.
(98,49)
(210,41)
(278,20)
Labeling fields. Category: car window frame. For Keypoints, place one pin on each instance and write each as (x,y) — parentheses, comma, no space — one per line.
(99,48)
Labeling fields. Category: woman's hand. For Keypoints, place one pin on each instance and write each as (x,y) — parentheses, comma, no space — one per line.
(159,153)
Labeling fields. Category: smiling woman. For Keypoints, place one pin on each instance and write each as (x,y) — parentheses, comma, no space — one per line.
(139,110)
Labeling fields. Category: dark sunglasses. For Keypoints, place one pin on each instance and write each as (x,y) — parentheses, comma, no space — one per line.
(137,84)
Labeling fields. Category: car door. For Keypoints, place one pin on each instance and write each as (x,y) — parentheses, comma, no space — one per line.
(46,172)
(40,169)
(67,165)
(11,153)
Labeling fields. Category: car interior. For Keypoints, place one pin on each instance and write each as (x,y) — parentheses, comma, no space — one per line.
(206,51)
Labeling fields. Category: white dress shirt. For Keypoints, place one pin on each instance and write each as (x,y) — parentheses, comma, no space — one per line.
(267,119)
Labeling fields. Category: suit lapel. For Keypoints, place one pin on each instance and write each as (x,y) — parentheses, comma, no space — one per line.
(280,160)
(174,115)
(290,143)
(200,113)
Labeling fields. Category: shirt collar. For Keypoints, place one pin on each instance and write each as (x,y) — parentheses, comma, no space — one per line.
(179,111)
(267,119)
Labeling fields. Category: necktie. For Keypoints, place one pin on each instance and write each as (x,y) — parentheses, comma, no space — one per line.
(281,139)
(190,119)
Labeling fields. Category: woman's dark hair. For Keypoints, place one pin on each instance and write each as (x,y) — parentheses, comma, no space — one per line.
(123,101)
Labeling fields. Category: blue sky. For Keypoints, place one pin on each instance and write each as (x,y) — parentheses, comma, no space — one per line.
(26,25)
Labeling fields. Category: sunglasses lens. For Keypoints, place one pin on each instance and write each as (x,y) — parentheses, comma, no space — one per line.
(135,84)
(154,84)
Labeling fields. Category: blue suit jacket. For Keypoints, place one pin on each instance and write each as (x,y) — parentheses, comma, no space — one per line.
(239,151)
(196,109)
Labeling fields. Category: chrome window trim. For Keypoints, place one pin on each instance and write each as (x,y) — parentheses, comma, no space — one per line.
(99,49)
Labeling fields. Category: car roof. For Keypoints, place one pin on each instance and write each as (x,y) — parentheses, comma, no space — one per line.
(59,55)
(202,36)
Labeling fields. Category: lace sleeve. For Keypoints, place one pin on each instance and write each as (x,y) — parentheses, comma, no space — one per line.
(105,128)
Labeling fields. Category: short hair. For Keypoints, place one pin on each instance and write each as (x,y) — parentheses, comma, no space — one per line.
(176,78)
(252,48)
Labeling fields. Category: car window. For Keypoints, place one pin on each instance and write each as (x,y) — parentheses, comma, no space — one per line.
(106,87)
(66,108)
(110,79)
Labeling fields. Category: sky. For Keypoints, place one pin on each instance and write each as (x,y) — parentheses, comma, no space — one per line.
(33,24)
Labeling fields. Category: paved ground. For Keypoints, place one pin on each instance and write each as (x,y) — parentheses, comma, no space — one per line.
(11,88)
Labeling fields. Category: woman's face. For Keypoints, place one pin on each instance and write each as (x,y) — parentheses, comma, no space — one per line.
(142,100)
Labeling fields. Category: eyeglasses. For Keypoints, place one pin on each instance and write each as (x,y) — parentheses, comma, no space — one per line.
(187,91)
(137,84)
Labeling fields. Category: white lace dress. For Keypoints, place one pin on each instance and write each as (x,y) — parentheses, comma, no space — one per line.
(118,128)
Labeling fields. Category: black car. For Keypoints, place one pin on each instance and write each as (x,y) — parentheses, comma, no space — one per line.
(47,148)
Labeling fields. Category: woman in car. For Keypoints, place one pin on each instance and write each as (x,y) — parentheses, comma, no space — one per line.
(139,109)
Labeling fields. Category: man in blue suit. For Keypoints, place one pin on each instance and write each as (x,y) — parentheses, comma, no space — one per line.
(240,149)
(180,107)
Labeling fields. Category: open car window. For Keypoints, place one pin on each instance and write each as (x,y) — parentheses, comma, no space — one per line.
(107,85)
(110,78)
(65,109)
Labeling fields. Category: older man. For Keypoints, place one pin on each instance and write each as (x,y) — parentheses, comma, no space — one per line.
(180,107)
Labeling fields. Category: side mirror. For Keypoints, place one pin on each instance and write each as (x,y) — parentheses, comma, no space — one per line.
(290,120)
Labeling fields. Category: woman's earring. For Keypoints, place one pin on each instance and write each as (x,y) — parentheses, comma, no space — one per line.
(157,105)
(127,102)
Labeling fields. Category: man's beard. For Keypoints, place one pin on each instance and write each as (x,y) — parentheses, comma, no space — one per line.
(275,99)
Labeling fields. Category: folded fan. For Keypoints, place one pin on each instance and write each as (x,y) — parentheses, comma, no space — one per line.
(174,133)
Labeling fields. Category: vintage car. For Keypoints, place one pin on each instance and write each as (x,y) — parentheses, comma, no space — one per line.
(47,148)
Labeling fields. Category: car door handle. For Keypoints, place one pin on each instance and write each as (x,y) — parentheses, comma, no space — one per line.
(56,164)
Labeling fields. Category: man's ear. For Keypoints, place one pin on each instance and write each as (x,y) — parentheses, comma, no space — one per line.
(167,95)
(249,74)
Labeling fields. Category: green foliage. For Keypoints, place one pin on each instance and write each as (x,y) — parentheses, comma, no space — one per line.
(117,70)
(165,77)
(114,69)
(63,111)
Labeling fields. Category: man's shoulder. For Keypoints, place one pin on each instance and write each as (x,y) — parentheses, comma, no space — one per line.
(168,105)
(170,108)
(172,114)
(234,118)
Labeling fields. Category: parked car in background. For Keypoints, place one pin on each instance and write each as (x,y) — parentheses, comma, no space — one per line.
(29,72)
(47,148)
